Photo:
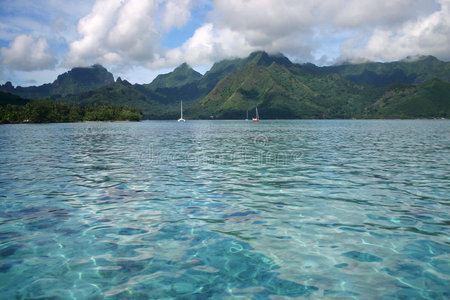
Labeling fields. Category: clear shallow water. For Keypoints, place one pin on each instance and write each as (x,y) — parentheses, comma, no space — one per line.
(318,209)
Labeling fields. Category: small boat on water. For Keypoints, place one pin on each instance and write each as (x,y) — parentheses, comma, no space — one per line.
(246,118)
(256,119)
(181,117)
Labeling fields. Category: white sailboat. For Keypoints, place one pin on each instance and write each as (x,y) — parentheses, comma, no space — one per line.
(256,119)
(181,117)
(246,119)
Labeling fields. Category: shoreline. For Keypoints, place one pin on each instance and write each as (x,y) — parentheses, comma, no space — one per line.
(234,120)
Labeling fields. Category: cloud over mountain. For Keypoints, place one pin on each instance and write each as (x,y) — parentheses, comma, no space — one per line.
(305,28)
(426,34)
(130,31)
(156,34)
(114,32)
(118,32)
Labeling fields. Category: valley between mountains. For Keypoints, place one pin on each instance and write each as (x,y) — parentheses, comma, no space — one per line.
(416,87)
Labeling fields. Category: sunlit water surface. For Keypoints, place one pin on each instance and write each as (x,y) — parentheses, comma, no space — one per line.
(217,209)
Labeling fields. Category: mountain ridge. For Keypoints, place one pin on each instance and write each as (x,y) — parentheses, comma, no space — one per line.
(76,80)
(411,70)
(181,75)
(280,89)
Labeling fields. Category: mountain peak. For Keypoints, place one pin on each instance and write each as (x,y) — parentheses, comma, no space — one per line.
(262,58)
(76,80)
(98,66)
(123,81)
(95,74)
(183,66)
(416,58)
(8,86)
(258,54)
(82,79)
(181,75)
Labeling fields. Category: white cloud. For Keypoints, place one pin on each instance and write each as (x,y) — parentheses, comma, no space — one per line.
(206,46)
(176,13)
(370,13)
(425,35)
(305,29)
(123,34)
(127,31)
(134,34)
(209,44)
(26,54)
(282,25)
(116,32)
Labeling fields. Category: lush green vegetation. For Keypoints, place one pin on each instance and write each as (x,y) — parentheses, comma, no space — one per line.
(412,70)
(46,111)
(429,99)
(181,76)
(281,90)
(8,98)
(123,93)
(412,88)
(161,98)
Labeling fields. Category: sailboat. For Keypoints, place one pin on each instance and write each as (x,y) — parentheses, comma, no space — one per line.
(246,119)
(181,117)
(256,119)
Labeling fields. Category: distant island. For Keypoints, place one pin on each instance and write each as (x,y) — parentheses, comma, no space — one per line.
(416,87)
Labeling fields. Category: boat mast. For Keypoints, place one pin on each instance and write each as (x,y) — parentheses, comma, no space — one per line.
(181,109)
(181,113)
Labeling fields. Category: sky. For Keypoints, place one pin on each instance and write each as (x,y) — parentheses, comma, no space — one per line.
(139,39)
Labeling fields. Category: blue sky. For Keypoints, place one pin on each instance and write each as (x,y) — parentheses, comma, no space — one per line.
(176,36)
(139,39)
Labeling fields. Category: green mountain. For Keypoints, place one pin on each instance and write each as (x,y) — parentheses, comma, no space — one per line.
(170,88)
(225,67)
(80,80)
(282,91)
(119,93)
(428,99)
(182,75)
(410,71)
(74,81)
(188,85)
(161,98)
(11,99)
(412,88)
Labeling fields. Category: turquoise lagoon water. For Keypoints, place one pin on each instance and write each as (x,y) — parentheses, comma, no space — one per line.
(225,209)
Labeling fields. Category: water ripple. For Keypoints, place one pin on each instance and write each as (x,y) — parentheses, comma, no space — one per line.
(314,209)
